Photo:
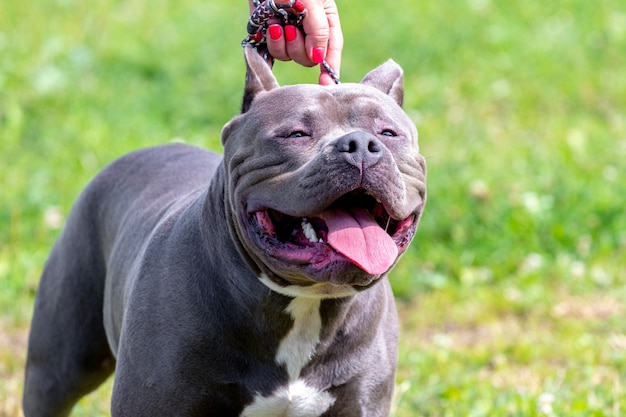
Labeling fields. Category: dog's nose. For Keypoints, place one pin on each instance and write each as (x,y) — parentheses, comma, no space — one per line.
(361,149)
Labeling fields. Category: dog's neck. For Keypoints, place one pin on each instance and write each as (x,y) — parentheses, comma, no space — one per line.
(313,315)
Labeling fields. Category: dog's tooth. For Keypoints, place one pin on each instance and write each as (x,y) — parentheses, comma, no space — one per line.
(308,231)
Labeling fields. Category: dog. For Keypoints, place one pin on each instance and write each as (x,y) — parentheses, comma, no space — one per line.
(253,284)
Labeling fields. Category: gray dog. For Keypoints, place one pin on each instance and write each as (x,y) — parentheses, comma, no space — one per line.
(250,285)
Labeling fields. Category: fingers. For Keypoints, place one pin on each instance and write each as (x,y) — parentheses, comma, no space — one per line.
(287,44)
(320,38)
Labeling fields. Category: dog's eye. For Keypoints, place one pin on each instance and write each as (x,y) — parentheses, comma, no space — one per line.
(389,133)
(297,134)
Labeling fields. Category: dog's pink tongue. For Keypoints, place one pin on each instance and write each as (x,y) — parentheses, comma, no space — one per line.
(357,236)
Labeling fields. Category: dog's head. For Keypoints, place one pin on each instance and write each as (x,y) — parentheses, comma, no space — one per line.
(326,184)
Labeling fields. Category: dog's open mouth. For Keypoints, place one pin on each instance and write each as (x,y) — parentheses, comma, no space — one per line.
(355,227)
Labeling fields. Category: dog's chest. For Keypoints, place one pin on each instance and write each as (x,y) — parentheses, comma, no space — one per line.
(296,399)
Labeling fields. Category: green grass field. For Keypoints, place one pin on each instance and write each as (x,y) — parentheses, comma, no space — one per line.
(512,296)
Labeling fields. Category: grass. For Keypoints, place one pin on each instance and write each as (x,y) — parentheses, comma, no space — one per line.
(513,294)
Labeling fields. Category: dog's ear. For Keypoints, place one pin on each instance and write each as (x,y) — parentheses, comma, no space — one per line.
(259,77)
(388,79)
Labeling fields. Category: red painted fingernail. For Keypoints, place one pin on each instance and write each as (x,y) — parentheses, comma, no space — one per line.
(290,33)
(318,55)
(257,37)
(298,6)
(276,31)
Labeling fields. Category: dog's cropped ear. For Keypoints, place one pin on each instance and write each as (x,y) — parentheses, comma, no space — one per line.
(388,79)
(259,77)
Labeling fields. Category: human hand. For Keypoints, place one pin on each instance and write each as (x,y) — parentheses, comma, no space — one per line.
(320,39)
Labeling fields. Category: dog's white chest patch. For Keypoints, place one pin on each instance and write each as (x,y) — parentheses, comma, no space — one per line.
(297,347)
(297,399)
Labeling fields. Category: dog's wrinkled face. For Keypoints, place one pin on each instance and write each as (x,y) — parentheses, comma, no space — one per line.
(327,184)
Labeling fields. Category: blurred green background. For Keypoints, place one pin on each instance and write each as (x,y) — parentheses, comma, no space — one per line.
(512,296)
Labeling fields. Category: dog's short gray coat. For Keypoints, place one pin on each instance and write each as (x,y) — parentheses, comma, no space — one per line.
(166,273)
